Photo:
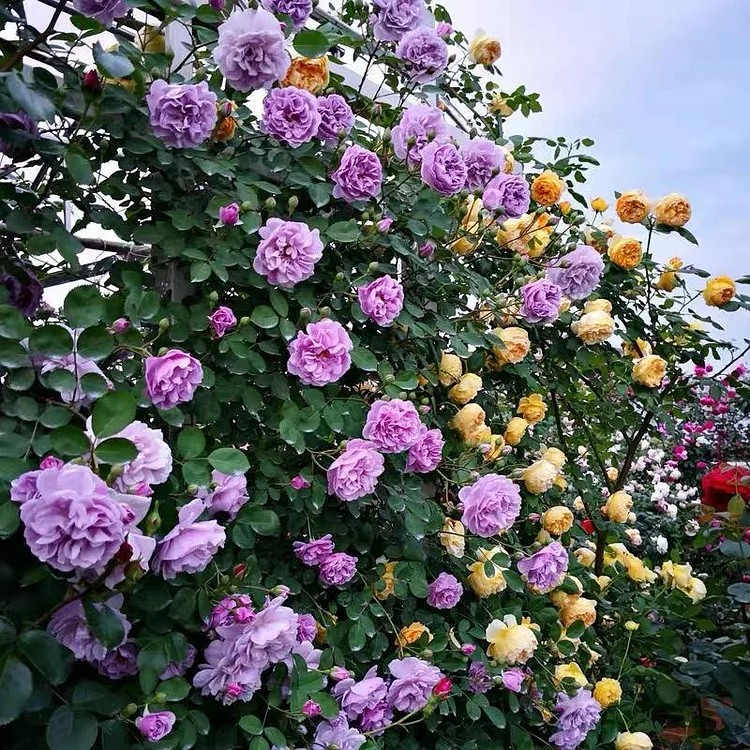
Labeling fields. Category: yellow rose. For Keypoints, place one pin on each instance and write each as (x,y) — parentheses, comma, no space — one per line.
(564,305)
(598,305)
(484,50)
(585,556)
(570,671)
(468,419)
(676,576)
(675,263)
(602,582)
(673,210)
(666,282)
(581,609)
(540,476)
(547,188)
(466,389)
(150,39)
(499,105)
(637,571)
(308,73)
(631,626)
(453,537)
(389,580)
(607,692)
(599,205)
(625,252)
(636,350)
(515,345)
(515,430)
(594,327)
(696,590)
(650,371)
(411,634)
(555,456)
(618,506)
(510,642)
(497,443)
(481,584)
(719,290)
(450,369)
(532,408)
(632,207)
(633,741)
(613,473)
(565,207)
(469,232)
(557,520)
(526,235)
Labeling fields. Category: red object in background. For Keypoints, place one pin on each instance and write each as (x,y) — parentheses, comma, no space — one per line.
(588,526)
(722,483)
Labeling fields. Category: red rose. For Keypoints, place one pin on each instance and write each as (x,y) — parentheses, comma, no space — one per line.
(722,483)
(443,688)
(588,526)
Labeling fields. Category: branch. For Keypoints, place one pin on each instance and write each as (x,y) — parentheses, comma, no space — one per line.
(34,43)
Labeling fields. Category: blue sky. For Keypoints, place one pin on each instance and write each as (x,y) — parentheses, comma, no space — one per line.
(661,86)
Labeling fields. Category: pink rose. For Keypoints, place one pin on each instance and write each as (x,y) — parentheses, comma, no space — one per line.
(155,726)
(222,319)
(172,378)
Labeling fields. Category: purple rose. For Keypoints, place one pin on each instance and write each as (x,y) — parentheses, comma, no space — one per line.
(376,718)
(384,224)
(424,53)
(358,176)
(119,662)
(509,192)
(412,684)
(393,18)
(172,378)
(320,354)
(155,726)
(182,115)
(578,273)
(290,115)
(337,569)
(229,215)
(178,668)
(444,592)
(419,125)
(545,570)
(20,131)
(425,455)
(541,301)
(298,10)
(443,29)
(336,118)
(307,628)
(490,505)
(104,11)
(356,696)
(152,465)
(299,483)
(311,709)
(191,545)
(577,715)
(355,472)
(78,366)
(251,51)
(228,495)
(393,426)
(381,300)
(443,169)
(23,487)
(480,680)
(483,160)
(313,553)
(337,733)
(72,523)
(51,462)
(221,320)
(23,287)
(287,252)
(513,679)
(233,609)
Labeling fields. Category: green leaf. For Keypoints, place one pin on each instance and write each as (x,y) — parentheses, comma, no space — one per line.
(264,317)
(69,441)
(496,716)
(112,413)
(12,354)
(15,689)
(364,359)
(115,735)
(115,65)
(37,106)
(78,166)
(251,724)
(46,654)
(51,339)
(55,416)
(190,442)
(320,193)
(229,461)
(199,271)
(83,306)
(740,592)
(311,43)
(116,451)
(104,623)
(12,324)
(262,521)
(69,729)
(93,696)
(197,473)
(9,519)
(575,629)
(175,689)
(344,231)
(279,303)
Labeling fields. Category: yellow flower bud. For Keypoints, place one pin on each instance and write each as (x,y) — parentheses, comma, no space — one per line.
(599,205)
(450,369)
(570,671)
(453,537)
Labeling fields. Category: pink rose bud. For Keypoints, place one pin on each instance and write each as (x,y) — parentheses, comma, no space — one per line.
(311,709)
(155,726)
(443,688)
(443,29)
(281,590)
(299,483)
(468,649)
(339,673)
(534,517)
(222,320)
(701,465)
(51,462)
(120,325)
(233,690)
(217,4)
(384,224)
(229,215)
(91,80)
(427,250)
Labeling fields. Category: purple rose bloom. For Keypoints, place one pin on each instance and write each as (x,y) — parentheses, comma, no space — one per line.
(191,545)
(313,553)
(182,115)
(355,472)
(20,131)
(419,125)
(381,300)
(577,715)
(311,709)
(23,488)
(287,252)
(444,592)
(355,696)
(299,483)
(155,726)
(320,354)
(541,301)
(307,628)
(78,366)
(393,426)
(70,629)
(51,462)
(290,115)
(337,733)
(578,273)
(507,192)
(73,523)
(393,18)
(376,718)
(337,569)
(298,10)
(443,29)
(490,505)
(412,684)
(229,494)
(251,52)
(119,662)
(23,287)
(221,320)
(172,378)
(424,53)
(545,570)
(104,11)
(233,609)
(443,169)
(229,215)
(513,679)
(480,680)
(358,176)
(152,465)
(425,455)
(483,160)
(178,668)
(336,118)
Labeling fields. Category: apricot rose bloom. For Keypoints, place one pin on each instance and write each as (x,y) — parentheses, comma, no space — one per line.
(633,741)
(719,290)
(557,520)
(499,106)
(527,235)
(411,634)
(495,450)
(625,252)
(540,476)
(453,537)
(450,369)
(673,210)
(484,50)
(510,642)
(547,188)
(466,389)
(580,609)
(570,671)
(480,583)
(532,408)
(636,350)
(585,556)
(469,230)
(607,692)
(307,73)
(389,580)
(594,327)
(515,345)
(632,207)
(469,423)
(650,371)
(618,506)
(515,430)
(555,456)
